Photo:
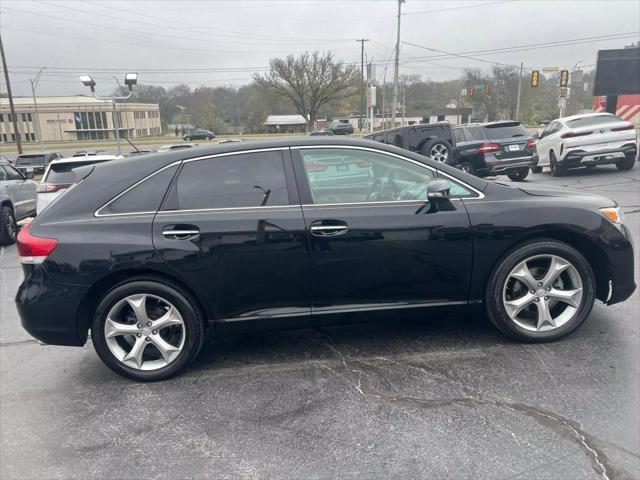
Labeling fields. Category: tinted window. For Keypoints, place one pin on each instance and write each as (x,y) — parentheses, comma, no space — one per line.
(506,130)
(12,173)
(146,196)
(64,172)
(476,133)
(244,180)
(459,135)
(592,121)
(37,160)
(357,176)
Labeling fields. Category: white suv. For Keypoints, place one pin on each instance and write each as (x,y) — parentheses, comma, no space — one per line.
(585,141)
(17,200)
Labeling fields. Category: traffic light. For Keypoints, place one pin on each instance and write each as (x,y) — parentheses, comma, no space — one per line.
(535,78)
(472,91)
(564,78)
(487,88)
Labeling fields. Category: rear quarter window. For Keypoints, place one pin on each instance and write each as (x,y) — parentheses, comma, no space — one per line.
(145,196)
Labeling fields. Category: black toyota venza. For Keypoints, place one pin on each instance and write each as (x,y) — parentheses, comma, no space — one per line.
(153,253)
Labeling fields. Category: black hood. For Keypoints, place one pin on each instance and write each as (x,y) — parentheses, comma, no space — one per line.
(542,190)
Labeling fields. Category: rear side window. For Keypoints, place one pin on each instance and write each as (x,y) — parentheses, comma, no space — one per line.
(502,131)
(64,172)
(245,180)
(459,135)
(592,121)
(145,196)
(476,133)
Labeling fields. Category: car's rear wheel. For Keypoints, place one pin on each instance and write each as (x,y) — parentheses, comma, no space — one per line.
(627,163)
(438,150)
(557,170)
(540,292)
(467,168)
(8,226)
(147,330)
(518,174)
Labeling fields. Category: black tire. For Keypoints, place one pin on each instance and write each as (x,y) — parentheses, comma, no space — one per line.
(8,226)
(557,170)
(194,327)
(440,145)
(627,163)
(467,168)
(518,174)
(493,297)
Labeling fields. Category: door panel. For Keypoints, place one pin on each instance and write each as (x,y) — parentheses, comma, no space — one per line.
(388,248)
(248,257)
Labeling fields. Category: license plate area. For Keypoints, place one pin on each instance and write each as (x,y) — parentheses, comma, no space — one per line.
(513,148)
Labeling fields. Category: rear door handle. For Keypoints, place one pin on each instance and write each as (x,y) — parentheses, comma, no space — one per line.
(328,228)
(180,232)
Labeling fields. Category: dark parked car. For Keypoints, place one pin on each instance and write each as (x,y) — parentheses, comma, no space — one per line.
(35,162)
(433,140)
(493,148)
(199,134)
(322,133)
(153,253)
(341,128)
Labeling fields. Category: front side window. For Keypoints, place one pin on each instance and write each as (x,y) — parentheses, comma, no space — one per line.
(12,173)
(253,179)
(359,176)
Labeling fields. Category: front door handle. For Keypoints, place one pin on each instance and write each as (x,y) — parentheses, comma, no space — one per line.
(328,228)
(180,232)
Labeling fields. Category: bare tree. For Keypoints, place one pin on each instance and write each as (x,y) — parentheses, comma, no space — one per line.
(309,81)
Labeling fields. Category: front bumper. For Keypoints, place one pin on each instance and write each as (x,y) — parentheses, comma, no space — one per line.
(582,158)
(621,267)
(49,310)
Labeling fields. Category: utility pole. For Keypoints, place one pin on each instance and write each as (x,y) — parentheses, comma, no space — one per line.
(394,105)
(362,84)
(14,120)
(519,92)
(384,99)
(34,84)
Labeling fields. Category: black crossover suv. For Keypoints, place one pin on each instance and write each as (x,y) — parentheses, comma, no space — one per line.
(153,253)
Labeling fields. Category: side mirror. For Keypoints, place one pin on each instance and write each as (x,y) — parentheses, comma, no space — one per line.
(438,189)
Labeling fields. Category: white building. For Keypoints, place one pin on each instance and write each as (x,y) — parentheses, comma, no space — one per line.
(77,118)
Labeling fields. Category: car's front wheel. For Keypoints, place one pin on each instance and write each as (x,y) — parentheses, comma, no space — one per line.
(8,226)
(540,292)
(147,330)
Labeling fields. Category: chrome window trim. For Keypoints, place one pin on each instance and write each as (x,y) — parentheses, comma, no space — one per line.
(230,209)
(479,194)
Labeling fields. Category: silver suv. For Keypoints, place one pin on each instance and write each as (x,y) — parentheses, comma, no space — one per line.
(18,199)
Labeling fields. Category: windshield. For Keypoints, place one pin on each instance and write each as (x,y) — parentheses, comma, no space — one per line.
(64,172)
(502,131)
(32,160)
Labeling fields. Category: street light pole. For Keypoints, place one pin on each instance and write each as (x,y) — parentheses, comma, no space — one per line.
(362,84)
(34,84)
(519,92)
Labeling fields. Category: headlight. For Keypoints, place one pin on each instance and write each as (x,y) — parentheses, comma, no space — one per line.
(614,214)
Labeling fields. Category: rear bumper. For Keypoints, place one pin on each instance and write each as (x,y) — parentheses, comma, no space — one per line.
(49,310)
(580,158)
(495,165)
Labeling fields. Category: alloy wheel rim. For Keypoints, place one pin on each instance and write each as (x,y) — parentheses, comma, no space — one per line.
(439,153)
(10,225)
(542,293)
(466,169)
(144,332)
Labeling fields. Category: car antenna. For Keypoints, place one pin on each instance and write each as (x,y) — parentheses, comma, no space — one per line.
(131,143)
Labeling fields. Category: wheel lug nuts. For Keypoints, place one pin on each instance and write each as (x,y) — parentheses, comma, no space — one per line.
(138,335)
(139,325)
(548,289)
(537,299)
(539,284)
(532,291)
(546,298)
(154,332)
(148,339)
(148,324)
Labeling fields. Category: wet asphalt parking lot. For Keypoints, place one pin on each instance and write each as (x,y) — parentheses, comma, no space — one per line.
(428,398)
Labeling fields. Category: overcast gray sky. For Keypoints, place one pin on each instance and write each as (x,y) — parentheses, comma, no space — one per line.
(222,42)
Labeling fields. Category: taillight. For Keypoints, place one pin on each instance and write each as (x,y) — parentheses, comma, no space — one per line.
(574,134)
(52,187)
(620,129)
(531,144)
(32,249)
(315,167)
(489,148)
